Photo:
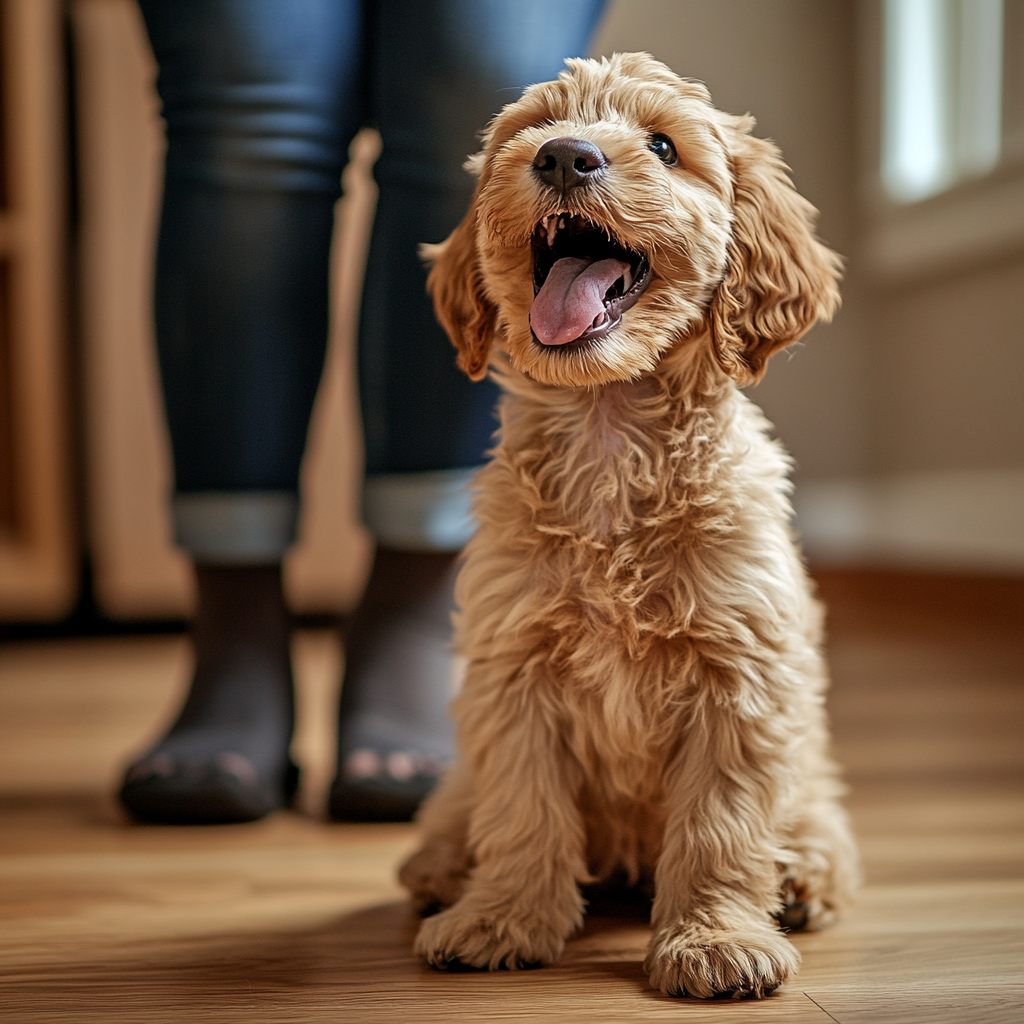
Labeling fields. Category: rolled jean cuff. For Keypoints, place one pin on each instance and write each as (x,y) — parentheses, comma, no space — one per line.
(235,527)
(420,511)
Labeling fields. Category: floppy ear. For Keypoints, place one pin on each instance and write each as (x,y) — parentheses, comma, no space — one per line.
(780,279)
(456,284)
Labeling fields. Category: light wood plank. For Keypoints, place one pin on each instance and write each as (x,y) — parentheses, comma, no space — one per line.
(296,919)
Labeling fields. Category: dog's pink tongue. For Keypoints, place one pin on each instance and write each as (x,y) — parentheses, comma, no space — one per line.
(572,297)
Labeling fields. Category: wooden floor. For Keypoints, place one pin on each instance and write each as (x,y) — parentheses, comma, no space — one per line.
(295,919)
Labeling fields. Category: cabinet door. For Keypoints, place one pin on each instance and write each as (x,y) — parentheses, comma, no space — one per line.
(38,578)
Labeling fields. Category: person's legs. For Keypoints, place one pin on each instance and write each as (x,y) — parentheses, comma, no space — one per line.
(261,99)
(439,70)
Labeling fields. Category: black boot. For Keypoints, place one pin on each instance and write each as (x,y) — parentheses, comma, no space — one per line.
(225,759)
(394,735)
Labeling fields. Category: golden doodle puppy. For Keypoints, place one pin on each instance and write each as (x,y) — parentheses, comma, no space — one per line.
(644,692)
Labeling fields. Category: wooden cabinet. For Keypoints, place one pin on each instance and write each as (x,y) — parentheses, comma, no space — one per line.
(38,574)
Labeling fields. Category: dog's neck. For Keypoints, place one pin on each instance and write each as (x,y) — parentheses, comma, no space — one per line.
(608,460)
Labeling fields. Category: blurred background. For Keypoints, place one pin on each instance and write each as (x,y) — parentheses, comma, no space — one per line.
(903,121)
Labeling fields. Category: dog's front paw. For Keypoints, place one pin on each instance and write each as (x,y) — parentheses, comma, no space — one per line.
(720,964)
(469,937)
(435,876)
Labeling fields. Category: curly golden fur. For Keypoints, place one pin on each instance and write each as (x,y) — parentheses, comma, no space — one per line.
(644,692)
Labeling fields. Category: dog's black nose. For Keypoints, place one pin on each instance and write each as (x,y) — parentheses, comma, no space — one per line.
(565,163)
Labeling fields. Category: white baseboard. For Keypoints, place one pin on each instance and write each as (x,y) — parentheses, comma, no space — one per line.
(966,520)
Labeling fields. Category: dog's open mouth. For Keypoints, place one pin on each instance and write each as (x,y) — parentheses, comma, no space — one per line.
(583,281)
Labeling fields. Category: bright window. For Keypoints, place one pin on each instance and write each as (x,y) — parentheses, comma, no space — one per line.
(942,94)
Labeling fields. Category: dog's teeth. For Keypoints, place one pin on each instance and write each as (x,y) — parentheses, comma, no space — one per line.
(627,280)
(599,319)
(551,228)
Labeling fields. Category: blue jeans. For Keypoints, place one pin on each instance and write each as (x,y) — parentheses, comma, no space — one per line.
(261,100)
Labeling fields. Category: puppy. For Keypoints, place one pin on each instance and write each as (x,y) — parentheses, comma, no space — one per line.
(644,692)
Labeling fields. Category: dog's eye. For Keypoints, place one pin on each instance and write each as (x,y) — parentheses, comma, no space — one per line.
(661,146)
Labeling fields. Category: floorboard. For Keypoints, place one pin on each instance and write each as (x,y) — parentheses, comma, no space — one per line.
(297,919)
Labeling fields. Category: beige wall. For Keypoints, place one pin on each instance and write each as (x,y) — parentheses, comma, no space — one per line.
(905,416)
(947,362)
(919,376)
(791,63)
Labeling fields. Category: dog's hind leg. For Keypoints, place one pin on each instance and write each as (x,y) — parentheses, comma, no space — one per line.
(436,873)
(820,876)
(526,836)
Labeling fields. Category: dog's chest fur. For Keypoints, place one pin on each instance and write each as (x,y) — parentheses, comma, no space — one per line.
(609,525)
